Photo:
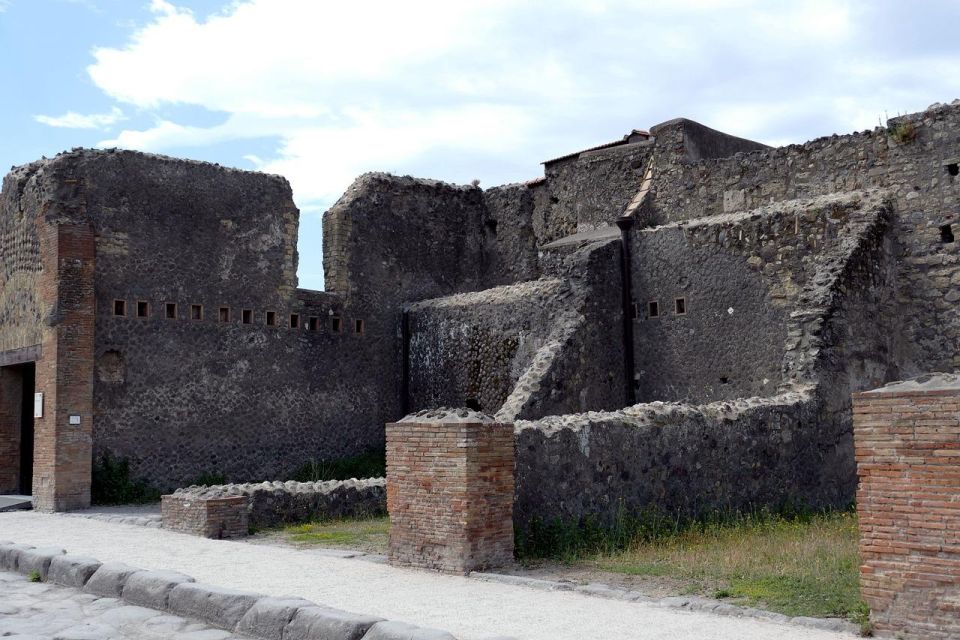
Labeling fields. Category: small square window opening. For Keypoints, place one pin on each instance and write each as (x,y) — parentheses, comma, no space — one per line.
(680,306)
(196,312)
(294,320)
(946,233)
(358,327)
(143,309)
(171,310)
(313,323)
(271,318)
(336,325)
(653,308)
(224,314)
(953,169)
(119,307)
(246,316)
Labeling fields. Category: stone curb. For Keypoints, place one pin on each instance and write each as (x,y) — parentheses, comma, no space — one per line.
(252,614)
(691,603)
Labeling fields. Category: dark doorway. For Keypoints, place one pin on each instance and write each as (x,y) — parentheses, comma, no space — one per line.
(28,374)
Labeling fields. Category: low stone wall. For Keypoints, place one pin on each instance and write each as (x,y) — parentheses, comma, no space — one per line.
(208,517)
(273,503)
(907,438)
(684,459)
(450,491)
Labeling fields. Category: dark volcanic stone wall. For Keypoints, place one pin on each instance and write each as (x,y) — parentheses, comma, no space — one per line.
(394,239)
(20,310)
(740,277)
(681,459)
(592,189)
(180,396)
(911,158)
(474,347)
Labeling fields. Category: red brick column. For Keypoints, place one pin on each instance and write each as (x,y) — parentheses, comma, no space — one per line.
(450,493)
(219,518)
(907,439)
(63,451)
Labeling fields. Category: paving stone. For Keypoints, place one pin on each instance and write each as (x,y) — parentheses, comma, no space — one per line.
(72,571)
(268,617)
(10,555)
(152,588)
(392,630)
(216,605)
(324,622)
(38,560)
(109,579)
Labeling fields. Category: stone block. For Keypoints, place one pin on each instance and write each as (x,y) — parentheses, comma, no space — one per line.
(38,560)
(210,517)
(324,622)
(152,588)
(108,581)
(221,607)
(10,555)
(268,617)
(72,571)
(392,630)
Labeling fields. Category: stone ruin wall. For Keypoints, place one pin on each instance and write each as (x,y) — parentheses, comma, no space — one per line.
(214,395)
(925,195)
(536,348)
(21,314)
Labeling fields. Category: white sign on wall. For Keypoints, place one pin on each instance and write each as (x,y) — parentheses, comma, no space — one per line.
(74,419)
(38,405)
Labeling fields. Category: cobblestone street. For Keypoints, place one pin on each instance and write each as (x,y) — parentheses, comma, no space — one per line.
(39,611)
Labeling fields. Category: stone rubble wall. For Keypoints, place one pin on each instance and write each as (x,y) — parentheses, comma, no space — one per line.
(270,504)
(681,459)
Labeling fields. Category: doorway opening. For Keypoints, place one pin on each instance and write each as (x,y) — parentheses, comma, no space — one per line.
(28,376)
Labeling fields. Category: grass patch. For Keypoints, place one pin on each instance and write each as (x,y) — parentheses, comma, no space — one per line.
(112,484)
(799,566)
(370,534)
(370,464)
(34,576)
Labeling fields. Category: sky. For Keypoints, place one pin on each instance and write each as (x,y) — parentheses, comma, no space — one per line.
(321,91)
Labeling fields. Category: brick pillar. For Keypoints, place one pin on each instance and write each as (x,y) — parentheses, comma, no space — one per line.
(63,451)
(11,397)
(450,492)
(907,438)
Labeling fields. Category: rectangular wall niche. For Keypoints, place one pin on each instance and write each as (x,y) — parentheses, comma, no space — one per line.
(171,311)
(680,306)
(196,312)
(143,309)
(653,309)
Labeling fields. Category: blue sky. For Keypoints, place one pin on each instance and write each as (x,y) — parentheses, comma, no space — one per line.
(323,91)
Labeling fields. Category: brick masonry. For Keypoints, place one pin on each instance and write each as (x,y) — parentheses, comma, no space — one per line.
(207,517)
(450,493)
(907,439)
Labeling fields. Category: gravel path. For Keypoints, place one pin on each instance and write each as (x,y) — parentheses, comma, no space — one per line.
(470,609)
(51,612)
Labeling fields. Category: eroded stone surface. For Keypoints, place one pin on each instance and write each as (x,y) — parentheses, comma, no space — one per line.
(44,611)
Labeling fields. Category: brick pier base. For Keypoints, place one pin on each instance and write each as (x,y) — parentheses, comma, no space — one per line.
(450,493)
(206,517)
(907,438)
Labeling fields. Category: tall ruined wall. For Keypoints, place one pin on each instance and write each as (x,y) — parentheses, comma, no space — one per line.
(915,159)
(509,237)
(185,381)
(394,239)
(21,315)
(592,189)
(741,279)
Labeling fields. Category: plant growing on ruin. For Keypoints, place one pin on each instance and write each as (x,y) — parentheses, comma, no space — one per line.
(35,576)
(370,464)
(903,132)
(112,483)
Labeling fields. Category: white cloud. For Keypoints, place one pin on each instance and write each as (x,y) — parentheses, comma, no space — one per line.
(73,120)
(432,85)
(5,4)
